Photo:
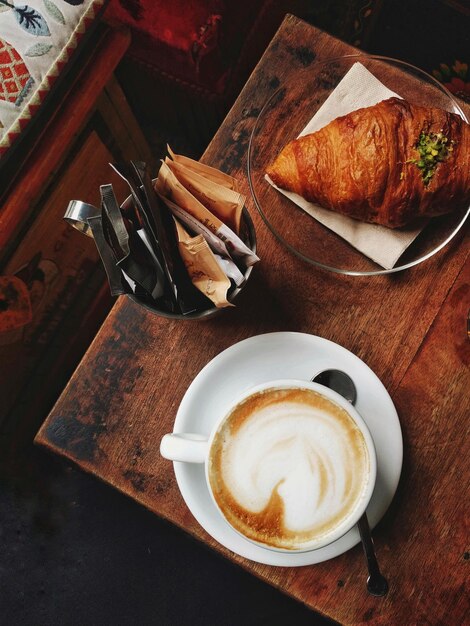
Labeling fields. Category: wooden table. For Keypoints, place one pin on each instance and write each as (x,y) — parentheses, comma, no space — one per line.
(409,328)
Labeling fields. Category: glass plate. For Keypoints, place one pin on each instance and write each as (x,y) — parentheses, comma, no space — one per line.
(284,116)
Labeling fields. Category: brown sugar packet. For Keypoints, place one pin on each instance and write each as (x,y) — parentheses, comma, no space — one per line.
(210,173)
(227,204)
(215,244)
(169,187)
(202,267)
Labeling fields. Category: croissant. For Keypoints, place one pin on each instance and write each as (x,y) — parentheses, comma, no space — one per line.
(387,164)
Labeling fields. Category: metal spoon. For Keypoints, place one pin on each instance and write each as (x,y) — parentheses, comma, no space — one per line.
(340,382)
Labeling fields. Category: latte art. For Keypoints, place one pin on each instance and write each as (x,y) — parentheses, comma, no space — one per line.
(288,467)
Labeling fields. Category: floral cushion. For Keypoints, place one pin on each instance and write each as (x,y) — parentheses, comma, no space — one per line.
(36,41)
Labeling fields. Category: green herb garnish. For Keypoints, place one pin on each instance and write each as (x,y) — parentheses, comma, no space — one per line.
(433,148)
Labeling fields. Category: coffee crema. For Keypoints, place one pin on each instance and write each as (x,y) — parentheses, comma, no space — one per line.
(288,467)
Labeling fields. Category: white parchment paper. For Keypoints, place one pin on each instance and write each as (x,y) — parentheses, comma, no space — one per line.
(359,88)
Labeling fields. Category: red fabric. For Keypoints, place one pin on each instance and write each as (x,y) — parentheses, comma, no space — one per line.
(197,42)
(173,23)
(14,72)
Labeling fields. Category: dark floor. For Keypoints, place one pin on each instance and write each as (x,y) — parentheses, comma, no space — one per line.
(75,552)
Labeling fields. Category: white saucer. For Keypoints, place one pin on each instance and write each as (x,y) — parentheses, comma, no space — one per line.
(284,355)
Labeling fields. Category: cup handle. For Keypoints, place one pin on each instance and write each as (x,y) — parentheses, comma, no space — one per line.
(188,447)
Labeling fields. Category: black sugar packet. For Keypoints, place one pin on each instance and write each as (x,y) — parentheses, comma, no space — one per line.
(179,293)
(159,275)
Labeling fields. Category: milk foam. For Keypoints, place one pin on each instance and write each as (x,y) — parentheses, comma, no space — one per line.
(297,454)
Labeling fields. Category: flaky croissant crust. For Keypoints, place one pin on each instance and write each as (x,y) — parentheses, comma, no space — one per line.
(364,164)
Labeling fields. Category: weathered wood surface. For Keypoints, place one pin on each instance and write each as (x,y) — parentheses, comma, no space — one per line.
(409,328)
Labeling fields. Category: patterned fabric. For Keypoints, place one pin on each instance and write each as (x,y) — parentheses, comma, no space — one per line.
(456,77)
(36,41)
(15,79)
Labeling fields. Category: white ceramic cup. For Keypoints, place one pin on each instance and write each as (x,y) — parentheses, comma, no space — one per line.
(196,448)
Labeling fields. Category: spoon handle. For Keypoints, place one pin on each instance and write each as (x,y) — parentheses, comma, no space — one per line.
(377,585)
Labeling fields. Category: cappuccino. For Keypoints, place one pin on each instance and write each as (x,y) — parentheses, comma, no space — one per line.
(288,468)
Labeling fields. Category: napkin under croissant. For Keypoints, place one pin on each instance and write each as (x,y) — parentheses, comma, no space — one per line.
(387,164)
